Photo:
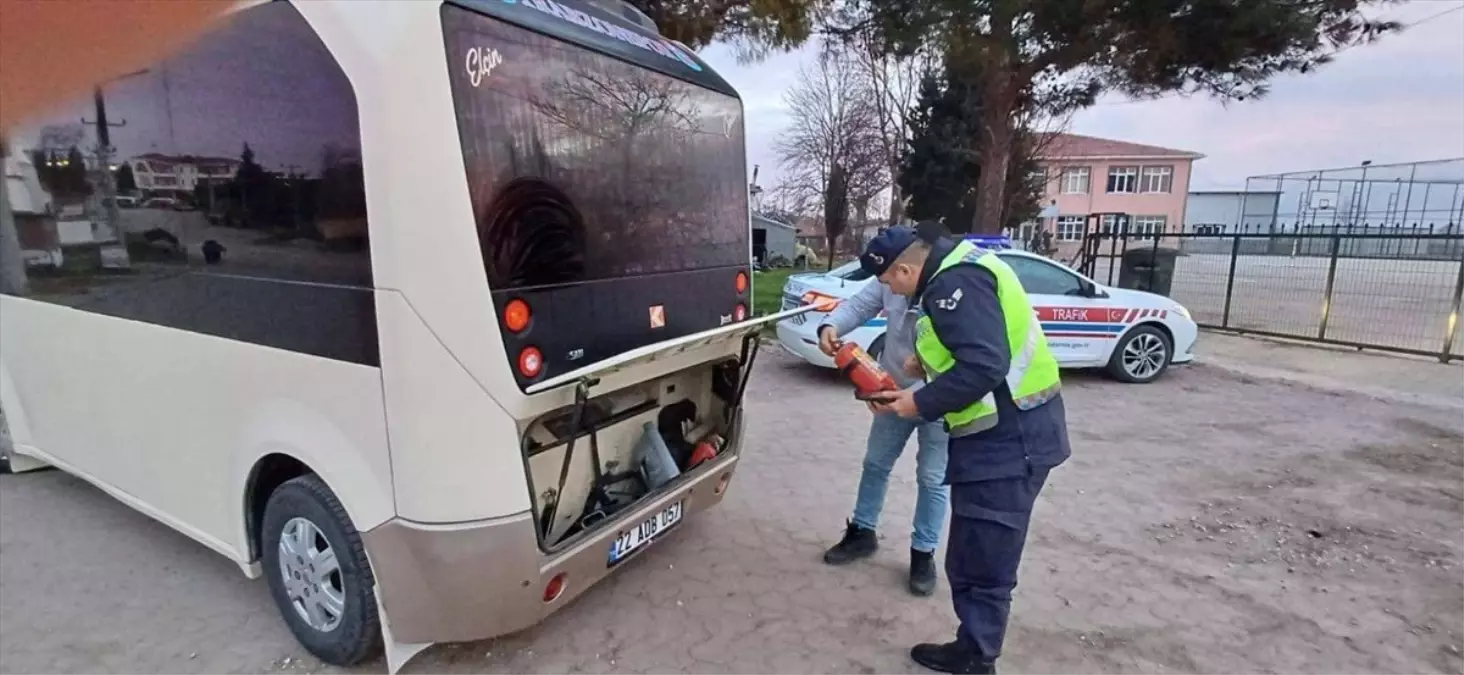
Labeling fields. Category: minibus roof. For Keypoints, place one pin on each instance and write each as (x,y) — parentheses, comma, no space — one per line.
(585,25)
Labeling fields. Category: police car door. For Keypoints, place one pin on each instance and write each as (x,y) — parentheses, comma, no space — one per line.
(1080,327)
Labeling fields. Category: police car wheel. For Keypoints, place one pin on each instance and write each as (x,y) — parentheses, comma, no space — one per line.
(876,347)
(1141,356)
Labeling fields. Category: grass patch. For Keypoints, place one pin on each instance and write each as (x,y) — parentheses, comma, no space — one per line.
(767,290)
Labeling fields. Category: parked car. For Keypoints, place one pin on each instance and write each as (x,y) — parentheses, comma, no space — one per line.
(1134,335)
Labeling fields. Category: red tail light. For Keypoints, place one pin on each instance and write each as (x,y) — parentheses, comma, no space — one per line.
(741,283)
(530,362)
(554,588)
(516,315)
(740,312)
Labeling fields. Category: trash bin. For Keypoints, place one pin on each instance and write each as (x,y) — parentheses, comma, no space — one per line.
(1148,269)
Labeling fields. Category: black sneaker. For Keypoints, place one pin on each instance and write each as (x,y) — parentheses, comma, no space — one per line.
(857,543)
(922,572)
(951,657)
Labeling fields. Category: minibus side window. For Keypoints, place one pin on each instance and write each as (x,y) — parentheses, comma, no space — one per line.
(218,192)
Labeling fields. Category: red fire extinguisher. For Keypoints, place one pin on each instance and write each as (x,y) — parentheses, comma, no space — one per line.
(705,450)
(867,376)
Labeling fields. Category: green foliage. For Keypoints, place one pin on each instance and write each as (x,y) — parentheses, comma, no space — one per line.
(1051,57)
(756,24)
(942,164)
(939,171)
(1226,48)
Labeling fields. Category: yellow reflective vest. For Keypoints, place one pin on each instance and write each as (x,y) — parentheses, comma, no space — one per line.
(1033,377)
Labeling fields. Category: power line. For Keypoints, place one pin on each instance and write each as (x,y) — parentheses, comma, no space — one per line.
(1334,52)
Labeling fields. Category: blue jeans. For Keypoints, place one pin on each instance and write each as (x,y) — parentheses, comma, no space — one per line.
(887,437)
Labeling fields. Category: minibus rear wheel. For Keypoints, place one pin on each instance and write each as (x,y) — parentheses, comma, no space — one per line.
(318,572)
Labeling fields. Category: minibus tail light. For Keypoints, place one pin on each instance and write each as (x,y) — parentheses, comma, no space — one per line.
(530,362)
(739,313)
(516,315)
(554,588)
(741,282)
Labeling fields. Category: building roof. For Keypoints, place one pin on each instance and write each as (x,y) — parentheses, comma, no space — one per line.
(758,219)
(1068,146)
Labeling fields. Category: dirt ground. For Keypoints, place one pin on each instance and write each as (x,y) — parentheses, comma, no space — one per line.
(1215,521)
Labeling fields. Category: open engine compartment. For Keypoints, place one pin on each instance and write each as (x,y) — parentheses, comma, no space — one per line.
(593,459)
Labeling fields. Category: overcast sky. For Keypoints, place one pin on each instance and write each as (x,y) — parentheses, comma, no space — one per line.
(1399,100)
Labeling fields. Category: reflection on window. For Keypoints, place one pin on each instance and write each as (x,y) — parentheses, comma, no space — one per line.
(181,193)
(582,167)
(1044,278)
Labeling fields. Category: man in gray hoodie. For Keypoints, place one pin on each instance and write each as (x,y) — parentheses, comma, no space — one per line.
(888,434)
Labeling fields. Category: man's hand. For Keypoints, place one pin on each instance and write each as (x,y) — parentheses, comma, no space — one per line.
(828,340)
(900,402)
(913,367)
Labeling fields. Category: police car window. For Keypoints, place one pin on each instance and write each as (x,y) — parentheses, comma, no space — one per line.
(1044,278)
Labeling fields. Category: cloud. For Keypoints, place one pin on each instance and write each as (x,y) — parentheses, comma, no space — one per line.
(1399,100)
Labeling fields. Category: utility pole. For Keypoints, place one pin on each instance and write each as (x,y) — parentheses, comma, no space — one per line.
(108,181)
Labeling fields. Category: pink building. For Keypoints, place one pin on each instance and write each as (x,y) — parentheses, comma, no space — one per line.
(1085,176)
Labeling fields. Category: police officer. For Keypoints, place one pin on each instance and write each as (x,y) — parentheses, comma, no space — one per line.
(991,379)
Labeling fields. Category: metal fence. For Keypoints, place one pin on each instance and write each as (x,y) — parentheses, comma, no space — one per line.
(1396,291)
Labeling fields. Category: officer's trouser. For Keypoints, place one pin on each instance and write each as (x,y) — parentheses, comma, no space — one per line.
(988,528)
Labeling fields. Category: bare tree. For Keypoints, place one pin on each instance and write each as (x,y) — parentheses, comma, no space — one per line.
(834,123)
(893,84)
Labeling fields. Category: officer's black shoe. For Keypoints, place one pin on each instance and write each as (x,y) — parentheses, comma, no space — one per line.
(857,543)
(951,657)
(922,572)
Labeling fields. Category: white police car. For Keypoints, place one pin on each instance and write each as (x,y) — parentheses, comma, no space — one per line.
(1133,334)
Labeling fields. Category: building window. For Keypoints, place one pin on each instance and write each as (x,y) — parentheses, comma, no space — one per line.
(1157,179)
(1123,179)
(1075,180)
(1070,228)
(1148,227)
(1209,228)
(1112,224)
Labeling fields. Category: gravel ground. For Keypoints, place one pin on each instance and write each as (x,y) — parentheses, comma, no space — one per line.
(1210,522)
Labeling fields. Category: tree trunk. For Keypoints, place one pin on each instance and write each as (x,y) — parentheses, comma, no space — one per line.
(897,202)
(996,153)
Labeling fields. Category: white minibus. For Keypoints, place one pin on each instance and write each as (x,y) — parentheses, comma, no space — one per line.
(459,321)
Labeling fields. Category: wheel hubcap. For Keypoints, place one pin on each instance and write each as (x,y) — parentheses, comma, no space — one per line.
(1144,356)
(312,575)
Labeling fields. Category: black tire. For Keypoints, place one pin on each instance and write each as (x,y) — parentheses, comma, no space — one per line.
(877,347)
(357,635)
(1143,340)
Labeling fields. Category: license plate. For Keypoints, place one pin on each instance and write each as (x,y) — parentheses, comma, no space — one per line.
(636,537)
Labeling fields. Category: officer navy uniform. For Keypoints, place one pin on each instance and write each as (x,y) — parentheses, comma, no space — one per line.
(993,381)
